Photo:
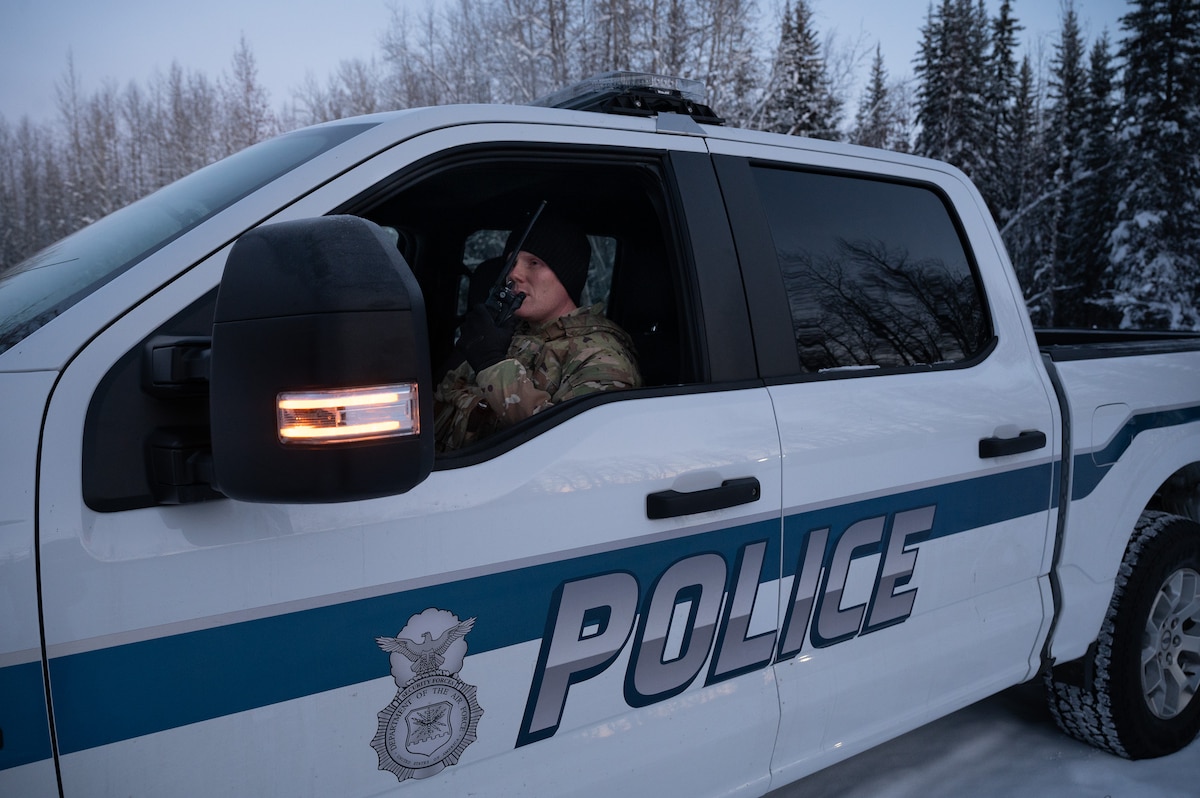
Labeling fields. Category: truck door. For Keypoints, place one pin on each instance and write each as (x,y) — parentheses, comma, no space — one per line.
(26,756)
(585,605)
(915,424)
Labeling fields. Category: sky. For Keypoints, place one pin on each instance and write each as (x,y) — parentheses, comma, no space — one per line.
(130,40)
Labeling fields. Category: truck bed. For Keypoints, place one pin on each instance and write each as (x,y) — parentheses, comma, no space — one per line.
(1070,344)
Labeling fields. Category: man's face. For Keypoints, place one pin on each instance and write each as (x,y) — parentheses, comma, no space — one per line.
(545,297)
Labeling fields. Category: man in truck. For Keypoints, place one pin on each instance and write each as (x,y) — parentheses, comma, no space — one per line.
(548,351)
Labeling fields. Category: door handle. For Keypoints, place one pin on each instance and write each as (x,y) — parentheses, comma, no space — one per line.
(672,503)
(1027,441)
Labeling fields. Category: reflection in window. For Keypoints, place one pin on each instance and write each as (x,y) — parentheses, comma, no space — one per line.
(875,273)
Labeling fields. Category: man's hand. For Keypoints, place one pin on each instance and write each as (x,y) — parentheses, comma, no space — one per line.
(483,341)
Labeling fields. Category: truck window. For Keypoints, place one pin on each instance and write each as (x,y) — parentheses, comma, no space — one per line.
(454,213)
(875,272)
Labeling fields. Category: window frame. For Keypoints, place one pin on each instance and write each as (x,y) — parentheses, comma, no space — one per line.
(696,238)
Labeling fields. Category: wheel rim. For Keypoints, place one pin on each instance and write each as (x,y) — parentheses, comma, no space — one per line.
(1171,645)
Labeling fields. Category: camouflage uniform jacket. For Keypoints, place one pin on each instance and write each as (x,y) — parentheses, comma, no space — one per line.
(575,355)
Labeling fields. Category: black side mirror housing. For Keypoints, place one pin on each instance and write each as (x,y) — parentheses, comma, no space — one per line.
(321,307)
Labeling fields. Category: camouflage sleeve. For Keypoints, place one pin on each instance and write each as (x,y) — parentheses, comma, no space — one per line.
(603,368)
(457,404)
(510,393)
(513,394)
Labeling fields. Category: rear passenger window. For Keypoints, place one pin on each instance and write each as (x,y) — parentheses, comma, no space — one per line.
(875,272)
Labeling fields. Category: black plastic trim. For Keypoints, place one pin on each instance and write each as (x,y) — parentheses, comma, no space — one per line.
(725,312)
(731,493)
(1069,345)
(1028,441)
(771,320)
(1064,502)
(859,373)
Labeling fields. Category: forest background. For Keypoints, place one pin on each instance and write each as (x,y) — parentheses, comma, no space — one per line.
(1088,156)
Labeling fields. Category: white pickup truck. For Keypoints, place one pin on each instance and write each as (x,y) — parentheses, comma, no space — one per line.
(856,492)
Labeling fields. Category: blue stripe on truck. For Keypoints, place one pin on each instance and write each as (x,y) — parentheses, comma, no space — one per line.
(124,691)
(1088,474)
(23,718)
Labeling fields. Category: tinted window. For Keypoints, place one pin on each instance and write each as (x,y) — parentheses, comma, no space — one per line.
(876,274)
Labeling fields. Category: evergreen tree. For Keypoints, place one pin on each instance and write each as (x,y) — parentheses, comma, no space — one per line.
(801,101)
(1065,277)
(874,111)
(1155,247)
(952,66)
(1094,204)
(881,120)
(1024,229)
(999,175)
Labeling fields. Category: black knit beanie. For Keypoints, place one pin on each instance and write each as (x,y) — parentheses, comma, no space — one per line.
(563,246)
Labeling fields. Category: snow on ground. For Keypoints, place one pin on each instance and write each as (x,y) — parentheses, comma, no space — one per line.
(1005,746)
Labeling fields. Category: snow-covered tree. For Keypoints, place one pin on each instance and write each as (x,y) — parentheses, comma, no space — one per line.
(1155,247)
(800,99)
(727,59)
(670,36)
(1062,282)
(189,123)
(880,121)
(248,118)
(1093,205)
(952,67)
(446,55)
(357,87)
(1024,228)
(998,178)
(32,191)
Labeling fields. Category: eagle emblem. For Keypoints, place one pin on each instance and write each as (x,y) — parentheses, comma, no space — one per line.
(435,715)
(426,654)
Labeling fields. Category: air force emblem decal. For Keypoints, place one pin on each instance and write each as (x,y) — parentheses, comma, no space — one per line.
(434,716)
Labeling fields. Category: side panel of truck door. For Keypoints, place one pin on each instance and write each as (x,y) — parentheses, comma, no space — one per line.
(226,648)
(914,565)
(26,756)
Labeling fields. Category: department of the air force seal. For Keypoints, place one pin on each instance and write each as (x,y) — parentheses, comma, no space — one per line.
(433,717)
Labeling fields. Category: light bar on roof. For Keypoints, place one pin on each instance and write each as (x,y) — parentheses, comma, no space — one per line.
(610,82)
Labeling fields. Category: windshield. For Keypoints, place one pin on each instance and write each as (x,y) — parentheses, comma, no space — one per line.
(36,290)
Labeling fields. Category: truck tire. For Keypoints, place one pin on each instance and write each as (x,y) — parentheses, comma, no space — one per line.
(1181,494)
(1135,692)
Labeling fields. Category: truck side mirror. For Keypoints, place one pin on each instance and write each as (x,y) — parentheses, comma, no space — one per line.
(320,387)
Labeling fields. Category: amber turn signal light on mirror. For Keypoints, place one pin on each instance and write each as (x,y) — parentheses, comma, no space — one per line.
(348,414)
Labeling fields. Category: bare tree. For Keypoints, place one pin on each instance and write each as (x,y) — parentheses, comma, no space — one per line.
(247,117)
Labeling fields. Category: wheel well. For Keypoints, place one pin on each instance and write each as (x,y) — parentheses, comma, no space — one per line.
(1180,495)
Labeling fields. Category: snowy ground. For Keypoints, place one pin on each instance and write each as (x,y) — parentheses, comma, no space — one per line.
(1005,746)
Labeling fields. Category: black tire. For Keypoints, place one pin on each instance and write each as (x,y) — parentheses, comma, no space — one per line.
(1181,494)
(1135,693)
